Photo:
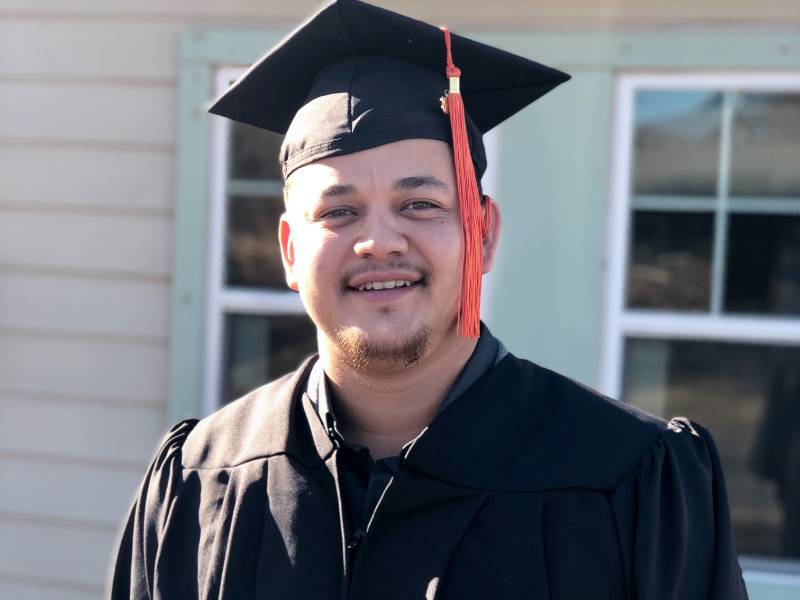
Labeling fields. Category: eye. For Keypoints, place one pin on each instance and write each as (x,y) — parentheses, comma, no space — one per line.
(421,205)
(337,213)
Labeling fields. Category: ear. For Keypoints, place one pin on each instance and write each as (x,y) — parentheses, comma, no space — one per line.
(287,251)
(492,234)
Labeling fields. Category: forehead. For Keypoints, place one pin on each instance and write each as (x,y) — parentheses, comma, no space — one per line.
(379,166)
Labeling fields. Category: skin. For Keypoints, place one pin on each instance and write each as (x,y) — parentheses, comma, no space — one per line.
(384,213)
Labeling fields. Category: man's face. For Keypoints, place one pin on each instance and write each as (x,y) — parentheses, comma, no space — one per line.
(372,241)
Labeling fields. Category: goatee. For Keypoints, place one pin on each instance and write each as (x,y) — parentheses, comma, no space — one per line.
(360,352)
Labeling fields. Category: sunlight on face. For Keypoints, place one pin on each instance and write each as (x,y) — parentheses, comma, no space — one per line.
(372,241)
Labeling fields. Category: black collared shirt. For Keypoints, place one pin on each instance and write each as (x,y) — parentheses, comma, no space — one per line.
(363,479)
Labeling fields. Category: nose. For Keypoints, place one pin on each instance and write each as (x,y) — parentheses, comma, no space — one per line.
(380,238)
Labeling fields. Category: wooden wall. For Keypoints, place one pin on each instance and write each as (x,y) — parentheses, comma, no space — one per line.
(87,145)
(87,151)
(506,13)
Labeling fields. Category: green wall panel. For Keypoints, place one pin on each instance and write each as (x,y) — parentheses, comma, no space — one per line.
(552,187)
(189,263)
(201,52)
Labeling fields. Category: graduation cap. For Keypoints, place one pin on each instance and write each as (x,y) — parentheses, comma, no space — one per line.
(356,76)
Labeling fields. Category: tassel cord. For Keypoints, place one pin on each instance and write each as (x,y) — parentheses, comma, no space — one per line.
(474,224)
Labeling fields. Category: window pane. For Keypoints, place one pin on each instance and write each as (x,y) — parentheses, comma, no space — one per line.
(260,348)
(676,142)
(253,253)
(766,145)
(763,264)
(748,396)
(670,264)
(254,153)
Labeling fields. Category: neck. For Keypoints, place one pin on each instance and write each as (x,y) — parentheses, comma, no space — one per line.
(384,408)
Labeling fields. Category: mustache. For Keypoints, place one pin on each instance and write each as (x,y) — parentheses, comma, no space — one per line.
(376,267)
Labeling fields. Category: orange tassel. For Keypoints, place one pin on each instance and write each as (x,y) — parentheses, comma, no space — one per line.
(472,221)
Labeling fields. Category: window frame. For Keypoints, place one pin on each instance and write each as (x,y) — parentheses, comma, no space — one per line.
(222,300)
(620,322)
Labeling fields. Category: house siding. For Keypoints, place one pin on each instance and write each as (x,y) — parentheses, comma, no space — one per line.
(87,162)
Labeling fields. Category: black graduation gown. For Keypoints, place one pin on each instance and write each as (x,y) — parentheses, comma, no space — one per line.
(531,486)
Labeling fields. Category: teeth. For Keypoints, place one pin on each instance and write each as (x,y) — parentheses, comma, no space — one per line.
(384,285)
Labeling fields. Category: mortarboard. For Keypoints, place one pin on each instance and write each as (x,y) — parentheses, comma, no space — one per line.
(355,76)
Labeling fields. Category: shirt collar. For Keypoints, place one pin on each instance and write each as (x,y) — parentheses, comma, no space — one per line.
(487,353)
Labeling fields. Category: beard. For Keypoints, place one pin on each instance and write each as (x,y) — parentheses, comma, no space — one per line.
(360,352)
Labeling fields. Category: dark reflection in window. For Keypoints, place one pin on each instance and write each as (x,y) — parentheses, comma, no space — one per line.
(748,396)
(676,142)
(253,257)
(763,264)
(670,264)
(260,348)
(254,153)
(766,143)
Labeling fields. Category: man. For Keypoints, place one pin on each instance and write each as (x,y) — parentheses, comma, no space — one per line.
(414,457)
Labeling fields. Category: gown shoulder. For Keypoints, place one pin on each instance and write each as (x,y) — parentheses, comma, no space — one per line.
(674,522)
(139,543)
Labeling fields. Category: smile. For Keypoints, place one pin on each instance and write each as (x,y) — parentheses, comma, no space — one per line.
(385,282)
(385,285)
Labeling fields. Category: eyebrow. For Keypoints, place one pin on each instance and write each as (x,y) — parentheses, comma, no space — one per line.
(334,191)
(418,181)
(406,183)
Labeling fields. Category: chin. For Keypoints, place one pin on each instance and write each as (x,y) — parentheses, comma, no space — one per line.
(382,347)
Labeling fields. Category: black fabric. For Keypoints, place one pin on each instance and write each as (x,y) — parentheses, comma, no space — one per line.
(529,486)
(357,76)
(364,479)
(367,101)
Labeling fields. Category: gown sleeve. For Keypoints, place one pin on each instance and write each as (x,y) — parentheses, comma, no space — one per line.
(674,523)
(134,567)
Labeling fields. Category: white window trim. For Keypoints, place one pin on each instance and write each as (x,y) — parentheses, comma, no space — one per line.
(619,323)
(219,299)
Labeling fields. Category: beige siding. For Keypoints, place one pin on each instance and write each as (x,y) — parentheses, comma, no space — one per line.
(109,180)
(26,589)
(75,304)
(88,433)
(505,12)
(55,551)
(67,49)
(115,487)
(138,245)
(113,113)
(87,164)
(83,367)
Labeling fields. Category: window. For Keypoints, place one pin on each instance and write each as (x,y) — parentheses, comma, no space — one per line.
(703,303)
(257,327)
